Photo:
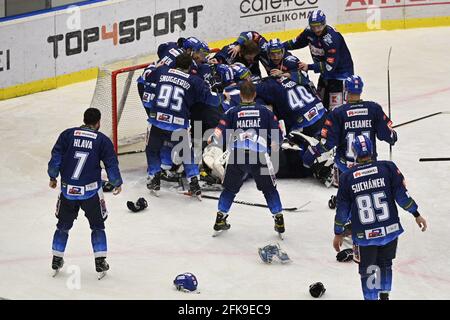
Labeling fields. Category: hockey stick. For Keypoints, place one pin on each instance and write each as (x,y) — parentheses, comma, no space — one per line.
(433,159)
(389,95)
(130,152)
(421,118)
(205,196)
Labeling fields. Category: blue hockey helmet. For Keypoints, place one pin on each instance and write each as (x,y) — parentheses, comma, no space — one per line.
(196,45)
(225,73)
(185,282)
(354,84)
(317,19)
(241,72)
(362,146)
(275,46)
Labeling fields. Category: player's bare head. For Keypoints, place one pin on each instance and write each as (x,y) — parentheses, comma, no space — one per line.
(249,51)
(248,91)
(92,117)
(183,61)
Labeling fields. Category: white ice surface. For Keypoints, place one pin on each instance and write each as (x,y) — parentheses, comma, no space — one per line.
(147,250)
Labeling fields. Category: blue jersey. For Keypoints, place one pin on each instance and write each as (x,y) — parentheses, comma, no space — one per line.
(330,53)
(252,126)
(170,95)
(168,53)
(366,196)
(353,119)
(296,104)
(76,156)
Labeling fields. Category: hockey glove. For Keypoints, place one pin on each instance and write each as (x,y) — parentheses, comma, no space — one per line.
(107,186)
(140,205)
(394,137)
(345,255)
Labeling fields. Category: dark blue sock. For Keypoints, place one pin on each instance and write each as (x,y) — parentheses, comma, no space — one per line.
(59,242)
(98,239)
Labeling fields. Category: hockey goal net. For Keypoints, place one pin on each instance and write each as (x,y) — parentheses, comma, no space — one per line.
(116,95)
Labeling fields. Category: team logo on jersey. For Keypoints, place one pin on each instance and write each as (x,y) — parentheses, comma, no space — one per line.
(357,112)
(164,117)
(365,172)
(328,39)
(248,113)
(375,233)
(75,190)
(311,114)
(86,134)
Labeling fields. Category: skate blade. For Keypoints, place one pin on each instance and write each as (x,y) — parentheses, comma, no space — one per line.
(155,193)
(217,233)
(55,273)
(280,235)
(101,275)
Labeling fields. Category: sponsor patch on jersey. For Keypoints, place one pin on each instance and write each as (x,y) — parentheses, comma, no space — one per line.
(357,112)
(328,67)
(392,228)
(75,190)
(311,114)
(248,113)
(146,97)
(86,134)
(91,186)
(179,73)
(164,117)
(179,121)
(375,233)
(316,51)
(174,52)
(365,172)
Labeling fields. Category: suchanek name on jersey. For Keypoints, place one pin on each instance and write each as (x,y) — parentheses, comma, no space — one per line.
(369,184)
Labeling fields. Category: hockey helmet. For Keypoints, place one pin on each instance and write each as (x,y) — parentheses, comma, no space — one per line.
(196,45)
(354,84)
(362,146)
(185,282)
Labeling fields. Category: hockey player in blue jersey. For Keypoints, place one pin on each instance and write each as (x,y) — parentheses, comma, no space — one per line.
(254,133)
(248,55)
(76,156)
(331,57)
(367,195)
(173,93)
(302,111)
(343,124)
